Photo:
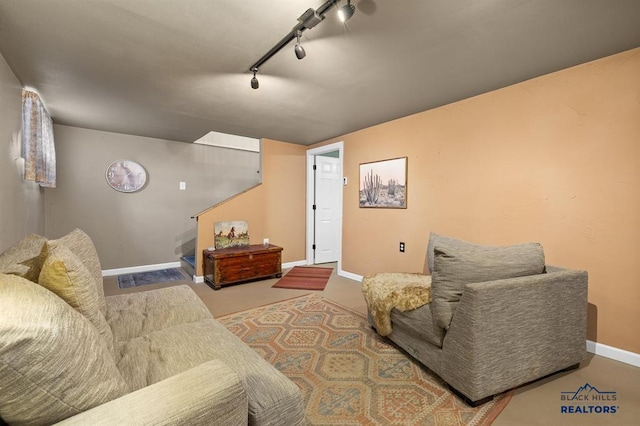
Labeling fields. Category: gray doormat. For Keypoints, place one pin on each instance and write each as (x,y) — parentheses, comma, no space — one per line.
(150,277)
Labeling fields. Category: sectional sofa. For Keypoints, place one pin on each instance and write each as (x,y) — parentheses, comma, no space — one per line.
(69,355)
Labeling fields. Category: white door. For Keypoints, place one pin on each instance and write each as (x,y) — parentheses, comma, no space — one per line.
(328,190)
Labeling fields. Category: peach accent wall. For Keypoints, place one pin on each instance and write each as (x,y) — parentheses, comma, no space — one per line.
(555,160)
(275,209)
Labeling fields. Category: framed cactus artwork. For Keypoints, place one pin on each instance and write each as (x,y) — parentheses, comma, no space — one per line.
(383,184)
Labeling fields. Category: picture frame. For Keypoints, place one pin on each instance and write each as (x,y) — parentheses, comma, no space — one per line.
(383,184)
(231,234)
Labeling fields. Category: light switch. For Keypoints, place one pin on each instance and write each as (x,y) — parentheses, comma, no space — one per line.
(183,186)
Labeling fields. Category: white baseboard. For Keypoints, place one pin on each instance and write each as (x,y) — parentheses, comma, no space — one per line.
(616,354)
(143,268)
(350,275)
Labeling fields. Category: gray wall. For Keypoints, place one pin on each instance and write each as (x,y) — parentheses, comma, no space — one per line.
(21,202)
(153,225)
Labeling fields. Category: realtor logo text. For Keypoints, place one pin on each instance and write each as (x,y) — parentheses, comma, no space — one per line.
(589,400)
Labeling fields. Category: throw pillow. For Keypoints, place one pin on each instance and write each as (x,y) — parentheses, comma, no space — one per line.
(445,241)
(66,276)
(24,258)
(455,267)
(81,245)
(53,363)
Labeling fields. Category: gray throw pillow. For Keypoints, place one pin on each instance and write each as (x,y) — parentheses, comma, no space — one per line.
(445,241)
(455,267)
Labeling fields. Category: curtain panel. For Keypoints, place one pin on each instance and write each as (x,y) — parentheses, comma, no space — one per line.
(38,148)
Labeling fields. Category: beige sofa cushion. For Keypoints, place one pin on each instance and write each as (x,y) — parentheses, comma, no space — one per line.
(148,359)
(455,267)
(53,363)
(81,245)
(66,276)
(24,258)
(136,314)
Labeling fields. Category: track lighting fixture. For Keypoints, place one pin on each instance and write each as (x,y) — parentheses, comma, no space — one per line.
(254,81)
(309,19)
(300,53)
(345,12)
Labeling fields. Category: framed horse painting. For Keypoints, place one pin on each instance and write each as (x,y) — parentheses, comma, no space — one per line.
(231,234)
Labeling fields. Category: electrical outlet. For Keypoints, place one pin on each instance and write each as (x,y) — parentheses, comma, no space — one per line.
(265,241)
(401,246)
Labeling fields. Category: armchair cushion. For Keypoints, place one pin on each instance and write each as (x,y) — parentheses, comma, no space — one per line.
(53,363)
(456,266)
(418,323)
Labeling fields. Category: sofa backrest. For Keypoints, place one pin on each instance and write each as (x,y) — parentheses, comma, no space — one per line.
(24,258)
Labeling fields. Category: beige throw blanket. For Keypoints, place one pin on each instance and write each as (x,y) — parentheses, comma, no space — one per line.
(400,290)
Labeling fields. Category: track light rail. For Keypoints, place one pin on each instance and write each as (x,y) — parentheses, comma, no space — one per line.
(307,20)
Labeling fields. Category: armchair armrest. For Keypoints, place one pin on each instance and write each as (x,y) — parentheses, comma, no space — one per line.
(508,332)
(208,394)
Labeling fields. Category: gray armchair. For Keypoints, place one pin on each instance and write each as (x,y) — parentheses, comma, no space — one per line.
(498,318)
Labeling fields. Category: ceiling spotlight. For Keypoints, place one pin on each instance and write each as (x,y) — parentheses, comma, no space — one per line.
(345,12)
(300,53)
(254,81)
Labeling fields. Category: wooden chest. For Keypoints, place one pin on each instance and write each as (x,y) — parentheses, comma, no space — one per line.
(241,264)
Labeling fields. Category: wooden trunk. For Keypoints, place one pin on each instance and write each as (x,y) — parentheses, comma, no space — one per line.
(241,264)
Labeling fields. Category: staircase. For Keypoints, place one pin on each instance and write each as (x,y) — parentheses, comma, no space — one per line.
(188,263)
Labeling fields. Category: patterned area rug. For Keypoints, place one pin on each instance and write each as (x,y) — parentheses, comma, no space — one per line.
(305,278)
(150,277)
(348,374)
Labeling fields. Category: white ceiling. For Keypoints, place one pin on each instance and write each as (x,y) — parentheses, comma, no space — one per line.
(176,69)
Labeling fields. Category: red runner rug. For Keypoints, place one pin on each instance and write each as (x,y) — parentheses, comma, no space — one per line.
(305,278)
